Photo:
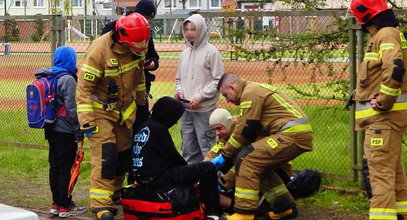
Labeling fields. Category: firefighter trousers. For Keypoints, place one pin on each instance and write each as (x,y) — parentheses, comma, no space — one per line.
(382,148)
(258,162)
(110,152)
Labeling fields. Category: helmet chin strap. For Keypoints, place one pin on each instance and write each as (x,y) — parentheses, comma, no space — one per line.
(137,52)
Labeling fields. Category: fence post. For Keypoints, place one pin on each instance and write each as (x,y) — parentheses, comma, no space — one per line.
(57,33)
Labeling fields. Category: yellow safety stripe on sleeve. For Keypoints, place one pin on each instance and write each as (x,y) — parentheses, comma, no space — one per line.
(403,41)
(234,143)
(90,69)
(233,169)
(287,106)
(298,128)
(399,106)
(122,69)
(247,193)
(275,192)
(100,106)
(140,87)
(382,213)
(269,87)
(401,207)
(129,110)
(84,108)
(246,104)
(389,91)
(371,56)
(100,194)
(385,46)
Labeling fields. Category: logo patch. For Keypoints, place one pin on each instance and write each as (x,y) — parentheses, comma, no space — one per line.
(114,61)
(89,76)
(376,141)
(273,144)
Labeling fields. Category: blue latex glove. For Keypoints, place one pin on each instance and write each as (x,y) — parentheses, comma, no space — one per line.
(89,131)
(219,161)
(88,134)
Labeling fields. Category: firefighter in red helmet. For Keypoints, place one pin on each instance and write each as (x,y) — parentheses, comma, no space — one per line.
(110,86)
(381,107)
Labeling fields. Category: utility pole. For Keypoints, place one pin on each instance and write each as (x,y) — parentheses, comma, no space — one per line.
(5,21)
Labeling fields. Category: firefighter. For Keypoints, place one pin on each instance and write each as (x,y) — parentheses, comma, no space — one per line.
(381,107)
(110,85)
(271,131)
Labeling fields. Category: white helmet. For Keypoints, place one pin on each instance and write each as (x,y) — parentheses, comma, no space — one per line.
(221,116)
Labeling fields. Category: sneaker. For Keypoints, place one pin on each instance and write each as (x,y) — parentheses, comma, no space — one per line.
(54,209)
(287,214)
(72,210)
(104,215)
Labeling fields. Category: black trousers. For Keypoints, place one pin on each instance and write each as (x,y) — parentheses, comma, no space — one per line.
(202,172)
(62,150)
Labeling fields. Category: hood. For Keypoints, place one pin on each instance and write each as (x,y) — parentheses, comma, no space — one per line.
(383,19)
(202,34)
(64,60)
(167,111)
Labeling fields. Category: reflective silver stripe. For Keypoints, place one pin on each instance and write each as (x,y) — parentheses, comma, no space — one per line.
(293,123)
(366,105)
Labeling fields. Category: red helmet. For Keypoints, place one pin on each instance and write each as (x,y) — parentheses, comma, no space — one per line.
(134,30)
(364,10)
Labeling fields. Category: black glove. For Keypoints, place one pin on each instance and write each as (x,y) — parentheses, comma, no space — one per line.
(79,136)
(350,101)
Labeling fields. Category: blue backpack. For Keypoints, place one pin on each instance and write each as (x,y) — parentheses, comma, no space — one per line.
(40,100)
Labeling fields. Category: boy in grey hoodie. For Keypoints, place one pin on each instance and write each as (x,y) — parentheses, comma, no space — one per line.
(199,70)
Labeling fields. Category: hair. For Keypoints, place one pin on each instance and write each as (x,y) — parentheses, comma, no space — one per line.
(227,79)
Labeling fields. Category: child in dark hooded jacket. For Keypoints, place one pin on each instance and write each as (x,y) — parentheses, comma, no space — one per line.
(156,161)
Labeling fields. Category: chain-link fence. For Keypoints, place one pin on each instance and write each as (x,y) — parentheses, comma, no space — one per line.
(309,55)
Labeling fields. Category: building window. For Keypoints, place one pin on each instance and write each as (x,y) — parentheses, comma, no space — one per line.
(216,3)
(20,3)
(77,3)
(194,3)
(170,3)
(107,6)
(38,3)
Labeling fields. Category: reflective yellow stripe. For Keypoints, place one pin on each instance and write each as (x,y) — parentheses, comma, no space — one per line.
(399,106)
(246,104)
(298,128)
(269,87)
(389,91)
(371,56)
(287,106)
(90,69)
(100,194)
(382,213)
(233,169)
(84,108)
(100,106)
(247,193)
(275,192)
(234,143)
(122,69)
(403,41)
(140,87)
(129,110)
(401,207)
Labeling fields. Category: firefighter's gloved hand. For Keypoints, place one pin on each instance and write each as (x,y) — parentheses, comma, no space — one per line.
(88,132)
(219,161)
(351,100)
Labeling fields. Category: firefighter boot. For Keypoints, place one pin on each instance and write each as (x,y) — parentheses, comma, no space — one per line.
(286,214)
(104,215)
(240,216)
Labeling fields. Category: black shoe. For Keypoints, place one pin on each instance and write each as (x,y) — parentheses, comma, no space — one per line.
(71,210)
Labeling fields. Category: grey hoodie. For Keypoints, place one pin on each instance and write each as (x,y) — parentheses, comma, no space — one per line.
(200,68)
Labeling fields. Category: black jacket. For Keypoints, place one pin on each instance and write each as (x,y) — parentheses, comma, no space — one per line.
(153,150)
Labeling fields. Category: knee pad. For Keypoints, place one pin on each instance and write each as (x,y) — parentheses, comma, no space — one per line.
(109,160)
